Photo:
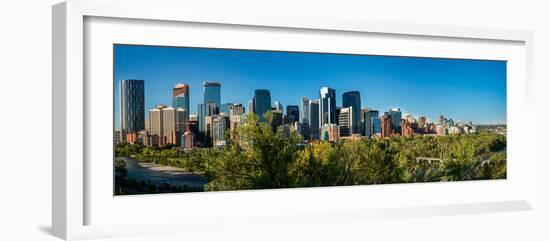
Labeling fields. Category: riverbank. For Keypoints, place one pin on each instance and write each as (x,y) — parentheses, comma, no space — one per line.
(155,177)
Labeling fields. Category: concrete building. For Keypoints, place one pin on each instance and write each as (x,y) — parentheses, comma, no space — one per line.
(166,124)
(330,132)
(386,125)
(346,121)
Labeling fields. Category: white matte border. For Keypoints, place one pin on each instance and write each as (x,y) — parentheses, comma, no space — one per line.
(102,33)
(68,146)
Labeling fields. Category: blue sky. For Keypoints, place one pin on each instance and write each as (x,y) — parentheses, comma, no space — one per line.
(473,90)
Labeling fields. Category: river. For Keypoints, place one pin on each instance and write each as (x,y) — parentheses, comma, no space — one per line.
(159,174)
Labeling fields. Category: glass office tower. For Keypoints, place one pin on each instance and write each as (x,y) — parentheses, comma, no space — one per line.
(395,114)
(314,119)
(262,103)
(132,106)
(369,122)
(212,93)
(293,112)
(327,106)
(353,99)
(180,98)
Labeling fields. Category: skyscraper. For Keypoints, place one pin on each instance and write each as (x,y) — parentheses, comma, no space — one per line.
(293,113)
(251,106)
(204,110)
(304,109)
(376,125)
(327,106)
(220,123)
(353,99)
(212,93)
(362,123)
(314,119)
(386,125)
(164,124)
(236,109)
(421,122)
(180,97)
(369,115)
(278,106)
(395,119)
(224,108)
(262,103)
(346,121)
(441,120)
(132,106)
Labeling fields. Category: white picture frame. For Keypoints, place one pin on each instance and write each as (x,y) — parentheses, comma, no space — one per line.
(73,192)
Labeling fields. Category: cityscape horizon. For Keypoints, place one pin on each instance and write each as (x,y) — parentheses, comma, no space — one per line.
(158,91)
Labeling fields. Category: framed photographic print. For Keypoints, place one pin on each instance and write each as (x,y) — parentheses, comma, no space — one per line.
(177,121)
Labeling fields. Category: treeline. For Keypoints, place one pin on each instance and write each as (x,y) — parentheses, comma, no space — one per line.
(260,158)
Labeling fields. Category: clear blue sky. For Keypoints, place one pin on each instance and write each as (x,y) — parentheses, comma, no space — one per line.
(467,90)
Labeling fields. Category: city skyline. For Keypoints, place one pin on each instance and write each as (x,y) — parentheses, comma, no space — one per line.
(472,90)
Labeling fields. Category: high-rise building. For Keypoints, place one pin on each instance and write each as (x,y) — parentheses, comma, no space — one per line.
(314,119)
(395,119)
(180,97)
(155,121)
(169,125)
(212,93)
(440,130)
(362,123)
(330,132)
(181,119)
(117,136)
(441,120)
(338,109)
(251,106)
(188,138)
(376,125)
(293,113)
(386,125)
(165,126)
(353,99)
(278,106)
(262,103)
(132,106)
(327,106)
(236,109)
(345,118)
(276,119)
(235,121)
(225,108)
(304,109)
(368,122)
(407,127)
(219,126)
(421,122)
(204,110)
